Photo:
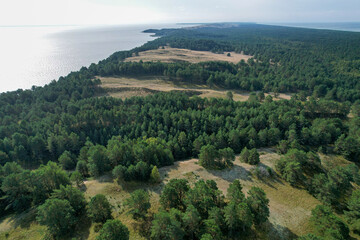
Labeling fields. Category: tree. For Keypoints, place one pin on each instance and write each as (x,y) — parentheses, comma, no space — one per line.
(261,96)
(244,155)
(234,192)
(208,155)
(204,196)
(217,214)
(229,95)
(74,196)
(98,160)
(18,189)
(82,168)
(166,226)
(258,204)
(254,157)
(213,229)
(113,230)
(173,194)
(353,215)
(139,204)
(310,237)
(66,160)
(323,189)
(227,157)
(268,99)
(207,236)
(99,208)
(327,225)
(191,220)
(4,158)
(46,179)
(77,178)
(155,175)
(119,172)
(292,172)
(57,215)
(238,218)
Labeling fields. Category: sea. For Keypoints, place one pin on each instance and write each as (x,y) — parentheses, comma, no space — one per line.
(36,55)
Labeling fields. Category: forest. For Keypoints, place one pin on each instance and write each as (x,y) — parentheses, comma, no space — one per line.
(52,138)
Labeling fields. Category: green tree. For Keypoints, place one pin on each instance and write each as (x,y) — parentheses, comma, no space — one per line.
(165,226)
(213,229)
(139,204)
(119,172)
(238,218)
(244,155)
(173,194)
(66,160)
(99,208)
(254,157)
(327,225)
(229,95)
(227,157)
(18,190)
(113,230)
(258,204)
(234,192)
(204,196)
(74,196)
(191,220)
(82,168)
(46,179)
(98,160)
(155,175)
(310,237)
(57,215)
(77,178)
(208,155)
(292,172)
(353,215)
(206,236)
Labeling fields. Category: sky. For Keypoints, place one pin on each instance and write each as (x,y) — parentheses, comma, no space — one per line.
(89,12)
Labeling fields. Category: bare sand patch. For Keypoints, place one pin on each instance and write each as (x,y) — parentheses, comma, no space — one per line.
(125,87)
(169,54)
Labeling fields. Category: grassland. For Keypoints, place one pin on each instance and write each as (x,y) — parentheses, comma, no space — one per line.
(168,54)
(125,87)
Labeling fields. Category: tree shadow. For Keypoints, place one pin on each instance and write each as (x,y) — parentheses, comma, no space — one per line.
(105,178)
(275,231)
(231,174)
(23,219)
(272,178)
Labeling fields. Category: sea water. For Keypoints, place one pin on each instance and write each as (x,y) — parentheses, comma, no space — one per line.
(36,55)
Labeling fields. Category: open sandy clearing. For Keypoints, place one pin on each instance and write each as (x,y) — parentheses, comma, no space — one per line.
(290,208)
(169,54)
(125,87)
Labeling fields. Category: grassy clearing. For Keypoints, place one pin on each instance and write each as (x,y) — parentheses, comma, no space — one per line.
(290,208)
(169,54)
(125,87)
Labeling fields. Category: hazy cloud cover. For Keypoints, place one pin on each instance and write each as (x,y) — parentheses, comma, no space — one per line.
(48,12)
